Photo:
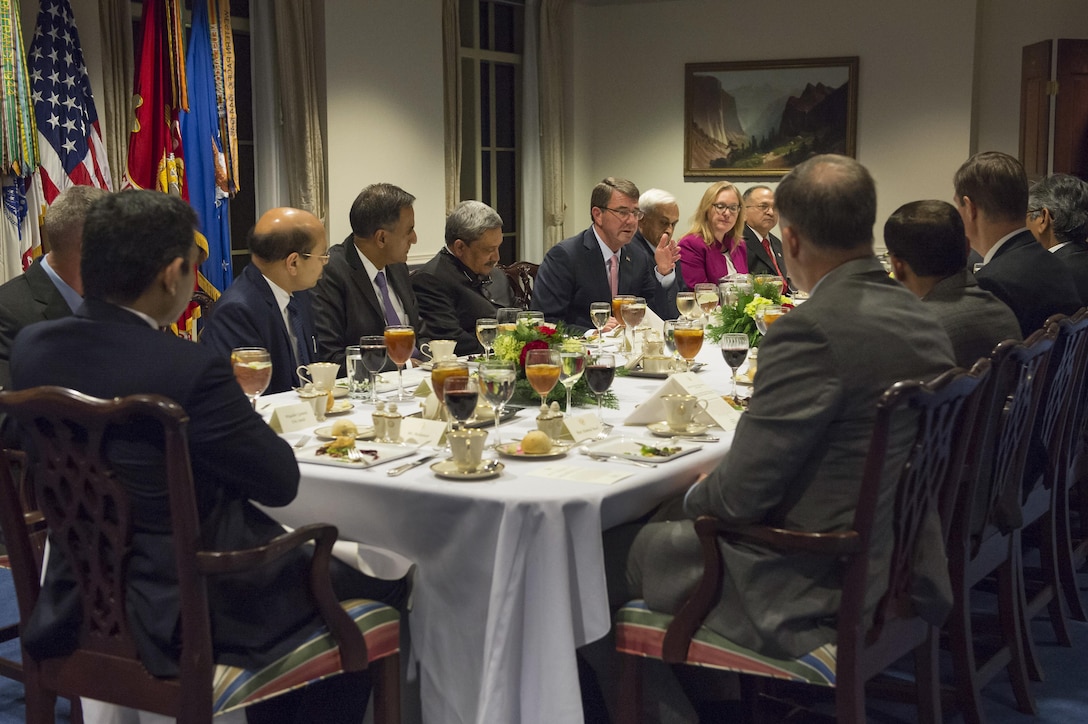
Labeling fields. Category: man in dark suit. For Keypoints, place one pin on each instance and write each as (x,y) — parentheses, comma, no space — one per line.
(764,248)
(660,215)
(268,305)
(594,266)
(798,453)
(365,286)
(992,198)
(462,283)
(928,253)
(51,288)
(138,267)
(1058,219)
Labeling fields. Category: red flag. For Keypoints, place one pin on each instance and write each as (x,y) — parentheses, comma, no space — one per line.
(155,158)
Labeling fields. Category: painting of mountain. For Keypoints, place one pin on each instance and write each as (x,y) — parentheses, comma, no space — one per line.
(762,118)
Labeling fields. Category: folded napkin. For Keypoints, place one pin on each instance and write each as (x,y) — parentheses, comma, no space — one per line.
(718,411)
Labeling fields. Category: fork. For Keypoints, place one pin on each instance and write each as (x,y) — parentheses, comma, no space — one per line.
(355,455)
(608,457)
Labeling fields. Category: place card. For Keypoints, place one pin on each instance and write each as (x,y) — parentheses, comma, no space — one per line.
(580,473)
(718,411)
(292,417)
(582,427)
(417,431)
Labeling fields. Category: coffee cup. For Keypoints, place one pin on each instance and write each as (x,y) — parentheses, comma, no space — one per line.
(681,410)
(656,364)
(439,349)
(321,375)
(467,447)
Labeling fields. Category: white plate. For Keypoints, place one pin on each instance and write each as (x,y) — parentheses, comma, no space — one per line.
(384,452)
(639,372)
(339,408)
(448,469)
(513,450)
(662,429)
(363,432)
(339,390)
(630,449)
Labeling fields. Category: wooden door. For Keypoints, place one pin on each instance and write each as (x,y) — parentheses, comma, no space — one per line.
(1035,108)
(1071,109)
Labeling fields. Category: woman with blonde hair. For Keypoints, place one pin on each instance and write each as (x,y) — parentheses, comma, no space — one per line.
(714,247)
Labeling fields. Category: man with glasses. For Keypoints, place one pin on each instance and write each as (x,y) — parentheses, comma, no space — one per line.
(1058,219)
(595,265)
(764,248)
(268,305)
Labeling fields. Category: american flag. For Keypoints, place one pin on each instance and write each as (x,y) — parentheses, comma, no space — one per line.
(69,139)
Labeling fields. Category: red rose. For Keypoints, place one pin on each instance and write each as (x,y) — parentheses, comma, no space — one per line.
(546,329)
(535,344)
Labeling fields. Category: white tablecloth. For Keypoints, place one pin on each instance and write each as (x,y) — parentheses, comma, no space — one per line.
(510,575)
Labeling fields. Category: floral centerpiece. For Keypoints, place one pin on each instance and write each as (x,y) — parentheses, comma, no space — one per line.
(740,317)
(514,345)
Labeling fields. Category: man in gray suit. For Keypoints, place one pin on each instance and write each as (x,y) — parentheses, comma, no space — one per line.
(1058,219)
(928,252)
(798,453)
(52,287)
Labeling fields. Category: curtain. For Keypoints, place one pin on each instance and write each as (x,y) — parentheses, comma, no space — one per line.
(303,144)
(551,118)
(114,112)
(531,234)
(451,63)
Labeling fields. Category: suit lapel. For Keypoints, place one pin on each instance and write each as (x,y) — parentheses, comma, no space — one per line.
(264,291)
(596,266)
(360,278)
(46,293)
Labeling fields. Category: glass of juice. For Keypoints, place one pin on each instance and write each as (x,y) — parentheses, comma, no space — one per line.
(400,340)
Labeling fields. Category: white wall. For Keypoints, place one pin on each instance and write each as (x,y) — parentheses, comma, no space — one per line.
(914,96)
(384,71)
(1005,27)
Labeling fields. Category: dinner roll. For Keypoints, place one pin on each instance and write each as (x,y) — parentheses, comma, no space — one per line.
(536,442)
(344,428)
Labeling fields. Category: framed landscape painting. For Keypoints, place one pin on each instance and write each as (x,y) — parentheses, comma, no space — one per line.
(762,118)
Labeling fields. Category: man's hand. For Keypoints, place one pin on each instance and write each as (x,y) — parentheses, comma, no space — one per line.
(666,255)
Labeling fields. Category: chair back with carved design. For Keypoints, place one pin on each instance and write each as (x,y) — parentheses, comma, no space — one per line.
(522,276)
(72,443)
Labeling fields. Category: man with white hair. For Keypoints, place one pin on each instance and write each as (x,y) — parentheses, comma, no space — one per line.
(661,215)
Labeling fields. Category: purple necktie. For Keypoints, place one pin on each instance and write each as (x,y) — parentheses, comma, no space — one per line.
(391,317)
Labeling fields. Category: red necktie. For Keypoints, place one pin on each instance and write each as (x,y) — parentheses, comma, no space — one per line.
(770,253)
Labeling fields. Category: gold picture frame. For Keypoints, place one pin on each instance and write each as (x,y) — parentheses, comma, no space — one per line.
(762,118)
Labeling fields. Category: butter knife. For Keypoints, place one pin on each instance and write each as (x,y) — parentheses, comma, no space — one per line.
(400,469)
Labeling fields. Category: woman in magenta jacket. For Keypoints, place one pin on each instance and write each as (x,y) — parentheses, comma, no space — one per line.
(714,246)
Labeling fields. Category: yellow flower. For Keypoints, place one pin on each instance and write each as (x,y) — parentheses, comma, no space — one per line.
(753,306)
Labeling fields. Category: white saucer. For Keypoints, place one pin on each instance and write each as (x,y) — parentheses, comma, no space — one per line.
(662,429)
(512,450)
(339,408)
(448,469)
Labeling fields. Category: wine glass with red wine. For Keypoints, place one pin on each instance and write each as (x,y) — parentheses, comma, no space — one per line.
(598,375)
(734,350)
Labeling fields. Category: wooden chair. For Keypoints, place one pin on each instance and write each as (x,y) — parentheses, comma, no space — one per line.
(1044,485)
(985,533)
(946,408)
(1073,337)
(522,276)
(87,512)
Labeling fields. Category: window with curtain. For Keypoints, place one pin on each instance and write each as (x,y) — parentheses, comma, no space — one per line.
(492,41)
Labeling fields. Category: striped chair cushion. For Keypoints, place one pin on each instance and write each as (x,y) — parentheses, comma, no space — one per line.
(641,632)
(317,658)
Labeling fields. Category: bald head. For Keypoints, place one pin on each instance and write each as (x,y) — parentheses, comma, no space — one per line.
(289,247)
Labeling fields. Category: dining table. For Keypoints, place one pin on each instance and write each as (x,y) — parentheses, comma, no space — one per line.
(509,574)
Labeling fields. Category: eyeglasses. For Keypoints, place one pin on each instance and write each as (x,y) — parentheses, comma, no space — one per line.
(763,208)
(323,257)
(722,208)
(626,214)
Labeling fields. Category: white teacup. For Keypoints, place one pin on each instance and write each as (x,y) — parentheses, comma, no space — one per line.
(681,410)
(467,447)
(655,364)
(321,375)
(439,349)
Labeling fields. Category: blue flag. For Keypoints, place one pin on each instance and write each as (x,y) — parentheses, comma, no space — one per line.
(205,170)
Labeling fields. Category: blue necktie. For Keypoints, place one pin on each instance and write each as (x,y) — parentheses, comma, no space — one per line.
(294,315)
(391,317)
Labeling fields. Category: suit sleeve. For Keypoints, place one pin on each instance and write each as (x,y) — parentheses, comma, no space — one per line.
(693,260)
(554,288)
(330,314)
(233,446)
(437,313)
(230,326)
(797,396)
